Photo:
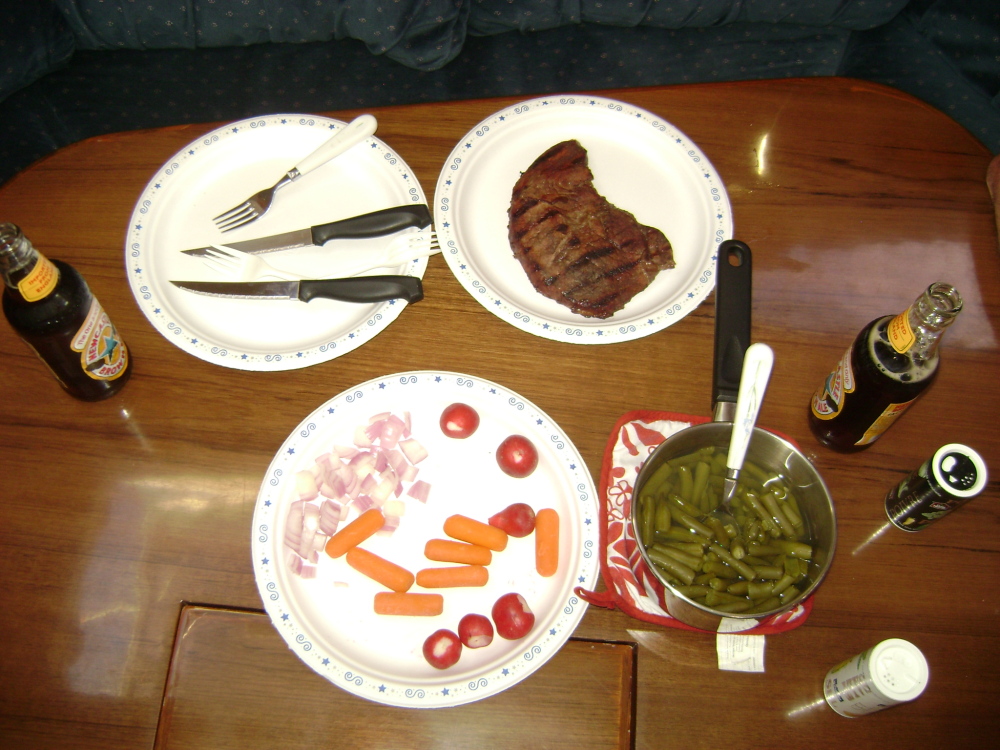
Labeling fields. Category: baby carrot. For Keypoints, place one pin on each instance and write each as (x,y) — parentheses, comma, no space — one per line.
(459,575)
(445,550)
(546,542)
(355,532)
(379,569)
(475,532)
(414,605)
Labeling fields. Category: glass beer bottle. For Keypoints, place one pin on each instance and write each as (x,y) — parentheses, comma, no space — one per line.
(49,305)
(892,361)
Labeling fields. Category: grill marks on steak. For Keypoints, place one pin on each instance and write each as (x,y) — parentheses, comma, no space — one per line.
(575,246)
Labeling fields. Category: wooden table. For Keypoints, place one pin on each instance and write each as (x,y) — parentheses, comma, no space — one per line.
(854,197)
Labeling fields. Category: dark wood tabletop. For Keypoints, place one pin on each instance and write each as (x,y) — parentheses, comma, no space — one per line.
(124,522)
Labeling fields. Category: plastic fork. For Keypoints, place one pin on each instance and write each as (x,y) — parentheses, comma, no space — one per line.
(240,266)
(256,205)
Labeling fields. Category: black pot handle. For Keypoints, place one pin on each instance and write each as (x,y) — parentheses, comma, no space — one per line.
(733,293)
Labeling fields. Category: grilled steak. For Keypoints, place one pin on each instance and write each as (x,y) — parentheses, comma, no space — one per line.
(575,246)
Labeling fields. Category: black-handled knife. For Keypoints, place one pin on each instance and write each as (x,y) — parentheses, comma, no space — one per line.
(354,289)
(374,224)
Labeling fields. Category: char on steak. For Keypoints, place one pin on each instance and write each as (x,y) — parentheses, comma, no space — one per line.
(575,246)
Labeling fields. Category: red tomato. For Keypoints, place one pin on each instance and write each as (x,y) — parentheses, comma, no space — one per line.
(459,421)
(517,456)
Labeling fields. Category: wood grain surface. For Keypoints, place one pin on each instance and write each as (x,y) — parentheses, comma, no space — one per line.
(854,197)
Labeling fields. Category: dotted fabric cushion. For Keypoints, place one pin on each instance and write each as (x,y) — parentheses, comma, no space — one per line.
(34,40)
(422,34)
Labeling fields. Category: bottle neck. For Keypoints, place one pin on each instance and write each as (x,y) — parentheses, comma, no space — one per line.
(929,316)
(17,255)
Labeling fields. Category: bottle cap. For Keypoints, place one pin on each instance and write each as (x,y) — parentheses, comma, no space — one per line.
(959,470)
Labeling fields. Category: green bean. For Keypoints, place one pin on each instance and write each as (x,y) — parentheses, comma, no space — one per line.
(739,588)
(688,458)
(677,534)
(719,569)
(696,549)
(741,567)
(718,530)
(662,518)
(719,597)
(768,572)
(703,579)
(737,549)
(791,514)
(790,594)
(658,477)
(699,483)
(782,584)
(692,561)
(690,522)
(771,503)
(757,549)
(793,549)
(687,483)
(671,565)
(759,590)
(693,591)
(648,515)
(766,605)
(719,584)
(684,505)
(740,605)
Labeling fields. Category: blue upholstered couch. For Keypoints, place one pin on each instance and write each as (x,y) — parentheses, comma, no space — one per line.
(70,69)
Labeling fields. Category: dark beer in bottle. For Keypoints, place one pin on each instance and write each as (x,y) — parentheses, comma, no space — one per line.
(892,361)
(49,305)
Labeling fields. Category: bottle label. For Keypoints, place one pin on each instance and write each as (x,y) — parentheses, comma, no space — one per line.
(103,354)
(40,281)
(829,399)
(884,422)
(901,333)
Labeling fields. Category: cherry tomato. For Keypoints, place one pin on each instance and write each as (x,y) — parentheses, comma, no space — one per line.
(459,421)
(517,456)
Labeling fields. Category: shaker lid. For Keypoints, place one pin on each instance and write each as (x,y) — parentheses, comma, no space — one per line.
(899,669)
(959,470)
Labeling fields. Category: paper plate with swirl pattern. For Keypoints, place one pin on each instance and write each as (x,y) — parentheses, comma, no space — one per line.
(212,174)
(641,163)
(324,608)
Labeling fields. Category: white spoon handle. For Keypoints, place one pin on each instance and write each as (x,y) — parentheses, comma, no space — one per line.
(757,364)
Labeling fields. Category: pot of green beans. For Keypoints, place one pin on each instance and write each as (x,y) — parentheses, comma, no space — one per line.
(773,557)
(776,545)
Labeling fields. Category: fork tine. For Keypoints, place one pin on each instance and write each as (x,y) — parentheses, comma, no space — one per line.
(247,215)
(226,215)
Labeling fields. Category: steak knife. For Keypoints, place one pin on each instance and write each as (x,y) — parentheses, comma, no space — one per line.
(354,289)
(374,224)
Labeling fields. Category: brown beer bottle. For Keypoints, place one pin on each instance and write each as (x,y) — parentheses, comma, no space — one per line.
(891,362)
(51,308)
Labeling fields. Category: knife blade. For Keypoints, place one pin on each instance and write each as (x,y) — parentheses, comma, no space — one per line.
(354,289)
(374,224)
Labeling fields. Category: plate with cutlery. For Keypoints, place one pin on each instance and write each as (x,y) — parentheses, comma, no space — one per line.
(279,242)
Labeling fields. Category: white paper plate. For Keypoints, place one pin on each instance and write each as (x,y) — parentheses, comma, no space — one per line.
(213,174)
(328,620)
(641,163)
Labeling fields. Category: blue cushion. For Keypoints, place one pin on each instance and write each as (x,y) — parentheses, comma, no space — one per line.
(34,40)
(421,34)
(492,17)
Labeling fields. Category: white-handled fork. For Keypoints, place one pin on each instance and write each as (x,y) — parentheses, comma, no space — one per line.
(240,266)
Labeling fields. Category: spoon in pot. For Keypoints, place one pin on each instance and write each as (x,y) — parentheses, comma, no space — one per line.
(757,363)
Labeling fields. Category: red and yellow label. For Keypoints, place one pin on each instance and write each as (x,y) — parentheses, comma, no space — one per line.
(901,333)
(40,281)
(884,422)
(103,354)
(829,399)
